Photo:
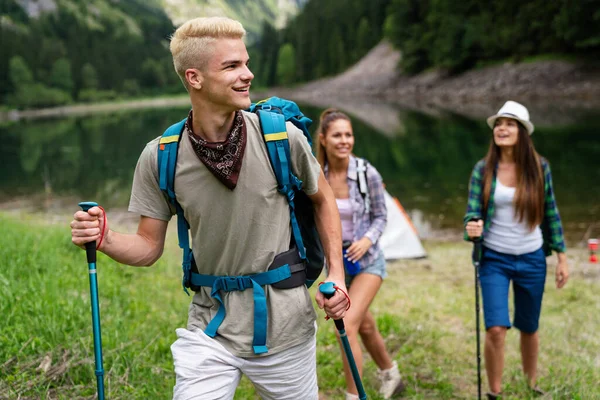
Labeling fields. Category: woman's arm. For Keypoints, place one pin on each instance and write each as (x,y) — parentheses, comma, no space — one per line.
(551,216)
(378,213)
(474,206)
(377,216)
(327,219)
(553,222)
(562,270)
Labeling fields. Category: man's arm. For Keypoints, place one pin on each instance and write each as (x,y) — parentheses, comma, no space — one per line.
(143,248)
(329,226)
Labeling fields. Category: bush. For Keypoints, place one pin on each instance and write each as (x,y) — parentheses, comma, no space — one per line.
(60,76)
(19,72)
(131,87)
(286,66)
(153,74)
(89,77)
(37,95)
(93,95)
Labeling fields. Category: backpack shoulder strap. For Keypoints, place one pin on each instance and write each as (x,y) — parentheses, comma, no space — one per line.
(363,183)
(167,161)
(278,146)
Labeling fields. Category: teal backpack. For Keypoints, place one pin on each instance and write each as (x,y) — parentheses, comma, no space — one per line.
(273,114)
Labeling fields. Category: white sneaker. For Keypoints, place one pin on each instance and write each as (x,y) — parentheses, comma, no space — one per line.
(391,381)
(350,396)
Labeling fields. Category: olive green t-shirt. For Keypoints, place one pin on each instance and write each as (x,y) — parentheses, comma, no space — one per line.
(236,232)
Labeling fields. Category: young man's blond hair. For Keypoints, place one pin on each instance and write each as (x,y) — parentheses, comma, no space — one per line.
(191,44)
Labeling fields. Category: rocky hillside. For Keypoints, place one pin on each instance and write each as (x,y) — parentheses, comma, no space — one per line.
(546,86)
(93,15)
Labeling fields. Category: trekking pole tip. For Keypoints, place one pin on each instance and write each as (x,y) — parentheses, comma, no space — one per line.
(86,205)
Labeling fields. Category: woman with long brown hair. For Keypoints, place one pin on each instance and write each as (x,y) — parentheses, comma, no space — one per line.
(363,222)
(511,207)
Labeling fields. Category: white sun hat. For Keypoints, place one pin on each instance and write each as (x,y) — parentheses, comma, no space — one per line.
(514,110)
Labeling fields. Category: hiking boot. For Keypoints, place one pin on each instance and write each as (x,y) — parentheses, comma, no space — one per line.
(391,381)
(493,396)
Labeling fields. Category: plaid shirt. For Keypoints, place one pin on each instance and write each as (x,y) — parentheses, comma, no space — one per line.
(551,226)
(369,225)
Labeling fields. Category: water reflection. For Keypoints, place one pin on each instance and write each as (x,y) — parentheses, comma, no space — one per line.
(425,160)
(89,157)
(428,163)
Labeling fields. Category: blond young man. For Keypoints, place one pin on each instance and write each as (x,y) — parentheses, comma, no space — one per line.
(238,222)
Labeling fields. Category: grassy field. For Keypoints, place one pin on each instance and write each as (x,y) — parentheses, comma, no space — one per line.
(425,311)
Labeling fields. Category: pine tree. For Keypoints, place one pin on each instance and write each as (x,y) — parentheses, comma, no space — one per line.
(286,66)
(89,77)
(61,76)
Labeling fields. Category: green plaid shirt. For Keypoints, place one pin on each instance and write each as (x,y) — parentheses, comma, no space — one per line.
(551,226)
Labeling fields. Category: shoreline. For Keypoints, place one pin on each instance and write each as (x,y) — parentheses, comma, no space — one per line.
(96,108)
(58,210)
(93,108)
(555,91)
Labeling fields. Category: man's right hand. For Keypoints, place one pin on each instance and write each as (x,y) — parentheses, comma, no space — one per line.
(336,306)
(474,229)
(87,226)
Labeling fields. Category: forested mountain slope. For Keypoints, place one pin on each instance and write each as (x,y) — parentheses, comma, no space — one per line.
(57,50)
(251,14)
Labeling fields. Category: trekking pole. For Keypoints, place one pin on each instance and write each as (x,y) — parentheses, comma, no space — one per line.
(476,259)
(90,250)
(328,291)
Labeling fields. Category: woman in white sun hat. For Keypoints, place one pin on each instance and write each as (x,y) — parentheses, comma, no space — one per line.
(511,207)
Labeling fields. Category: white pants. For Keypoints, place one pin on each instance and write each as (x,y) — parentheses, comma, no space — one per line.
(205,370)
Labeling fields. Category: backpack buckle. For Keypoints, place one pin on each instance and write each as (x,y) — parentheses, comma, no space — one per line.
(290,194)
(236,283)
(297,183)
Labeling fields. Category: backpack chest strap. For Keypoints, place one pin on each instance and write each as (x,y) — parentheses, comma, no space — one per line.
(241,283)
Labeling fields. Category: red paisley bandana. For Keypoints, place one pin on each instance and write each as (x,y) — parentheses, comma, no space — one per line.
(223,159)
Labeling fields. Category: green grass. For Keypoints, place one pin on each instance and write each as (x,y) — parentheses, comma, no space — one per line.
(424,310)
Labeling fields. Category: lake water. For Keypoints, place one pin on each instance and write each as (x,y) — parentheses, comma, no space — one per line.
(425,160)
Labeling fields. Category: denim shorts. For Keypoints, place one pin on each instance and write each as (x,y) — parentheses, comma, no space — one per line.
(528,275)
(377,267)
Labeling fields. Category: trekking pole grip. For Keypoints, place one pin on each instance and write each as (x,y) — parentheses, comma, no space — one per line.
(90,247)
(477,250)
(476,245)
(328,290)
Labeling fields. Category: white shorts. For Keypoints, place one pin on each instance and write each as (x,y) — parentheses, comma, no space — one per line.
(205,370)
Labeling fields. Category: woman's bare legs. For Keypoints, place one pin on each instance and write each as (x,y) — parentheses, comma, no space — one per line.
(362,292)
(530,343)
(373,341)
(494,356)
